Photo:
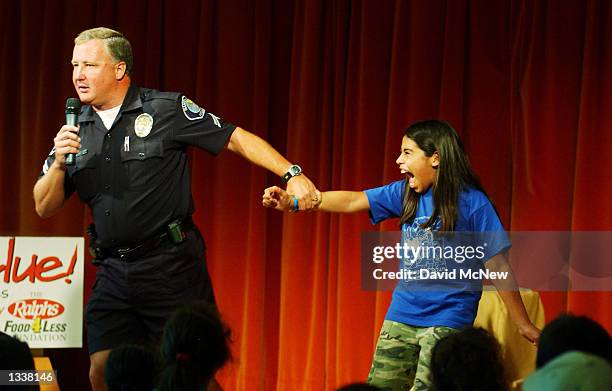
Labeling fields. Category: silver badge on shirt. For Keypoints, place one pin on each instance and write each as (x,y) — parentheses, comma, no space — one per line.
(143,125)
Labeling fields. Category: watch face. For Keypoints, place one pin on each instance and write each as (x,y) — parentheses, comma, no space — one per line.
(295,170)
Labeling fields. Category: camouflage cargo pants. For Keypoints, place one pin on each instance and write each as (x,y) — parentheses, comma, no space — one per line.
(402,356)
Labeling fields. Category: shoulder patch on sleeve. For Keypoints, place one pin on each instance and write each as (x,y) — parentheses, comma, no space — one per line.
(191,110)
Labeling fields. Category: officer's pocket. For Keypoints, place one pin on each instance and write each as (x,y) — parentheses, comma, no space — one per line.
(183,277)
(84,176)
(141,163)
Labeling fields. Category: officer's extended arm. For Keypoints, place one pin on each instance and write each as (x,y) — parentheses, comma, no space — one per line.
(49,189)
(259,152)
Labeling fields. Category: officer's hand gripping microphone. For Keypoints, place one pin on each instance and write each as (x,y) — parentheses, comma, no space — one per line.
(73,107)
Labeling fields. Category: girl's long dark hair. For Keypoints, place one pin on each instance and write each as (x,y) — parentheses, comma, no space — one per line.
(454,173)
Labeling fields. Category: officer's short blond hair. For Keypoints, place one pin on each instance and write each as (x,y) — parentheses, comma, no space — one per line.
(117,45)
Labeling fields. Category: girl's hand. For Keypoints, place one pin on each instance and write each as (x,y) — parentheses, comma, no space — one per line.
(530,333)
(277,198)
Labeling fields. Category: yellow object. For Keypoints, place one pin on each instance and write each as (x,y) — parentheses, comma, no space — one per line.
(518,354)
(44,364)
(36,325)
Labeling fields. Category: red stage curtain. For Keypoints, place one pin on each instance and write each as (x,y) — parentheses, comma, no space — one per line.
(331,85)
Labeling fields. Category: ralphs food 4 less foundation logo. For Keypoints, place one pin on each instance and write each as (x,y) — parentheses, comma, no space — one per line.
(29,309)
(38,311)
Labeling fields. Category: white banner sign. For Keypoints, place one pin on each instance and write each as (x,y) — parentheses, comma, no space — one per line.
(41,290)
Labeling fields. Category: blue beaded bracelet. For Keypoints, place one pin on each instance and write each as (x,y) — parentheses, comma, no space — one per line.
(296,207)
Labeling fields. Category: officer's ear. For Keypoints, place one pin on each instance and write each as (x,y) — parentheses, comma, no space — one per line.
(120,70)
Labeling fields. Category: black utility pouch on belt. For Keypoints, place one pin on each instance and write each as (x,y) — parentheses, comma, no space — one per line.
(94,247)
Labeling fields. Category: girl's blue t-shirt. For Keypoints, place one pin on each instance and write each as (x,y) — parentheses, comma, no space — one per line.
(450,301)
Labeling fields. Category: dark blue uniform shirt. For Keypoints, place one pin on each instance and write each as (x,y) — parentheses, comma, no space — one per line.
(135,177)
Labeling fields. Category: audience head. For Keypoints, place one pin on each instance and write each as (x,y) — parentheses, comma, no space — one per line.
(195,344)
(569,332)
(130,368)
(15,354)
(469,359)
(572,371)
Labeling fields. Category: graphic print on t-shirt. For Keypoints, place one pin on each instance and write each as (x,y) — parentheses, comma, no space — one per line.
(422,244)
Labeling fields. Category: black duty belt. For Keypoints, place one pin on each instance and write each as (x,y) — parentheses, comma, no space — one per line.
(175,232)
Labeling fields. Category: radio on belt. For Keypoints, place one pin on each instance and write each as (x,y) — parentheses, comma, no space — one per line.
(176,234)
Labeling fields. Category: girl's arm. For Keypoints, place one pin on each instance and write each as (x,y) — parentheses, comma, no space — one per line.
(510,295)
(328,201)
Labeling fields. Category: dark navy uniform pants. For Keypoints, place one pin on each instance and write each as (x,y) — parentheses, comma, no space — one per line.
(131,300)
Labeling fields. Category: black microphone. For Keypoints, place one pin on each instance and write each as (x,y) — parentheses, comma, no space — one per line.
(73,107)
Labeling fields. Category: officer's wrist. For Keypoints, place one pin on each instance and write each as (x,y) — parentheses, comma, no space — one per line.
(57,165)
(292,171)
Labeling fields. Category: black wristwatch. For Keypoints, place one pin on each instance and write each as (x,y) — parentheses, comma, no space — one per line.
(294,170)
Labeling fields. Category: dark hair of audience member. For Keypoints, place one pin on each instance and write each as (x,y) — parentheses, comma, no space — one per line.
(15,354)
(569,332)
(194,346)
(130,368)
(469,359)
(358,387)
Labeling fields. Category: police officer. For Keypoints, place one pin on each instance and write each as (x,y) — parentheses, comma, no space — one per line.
(131,168)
